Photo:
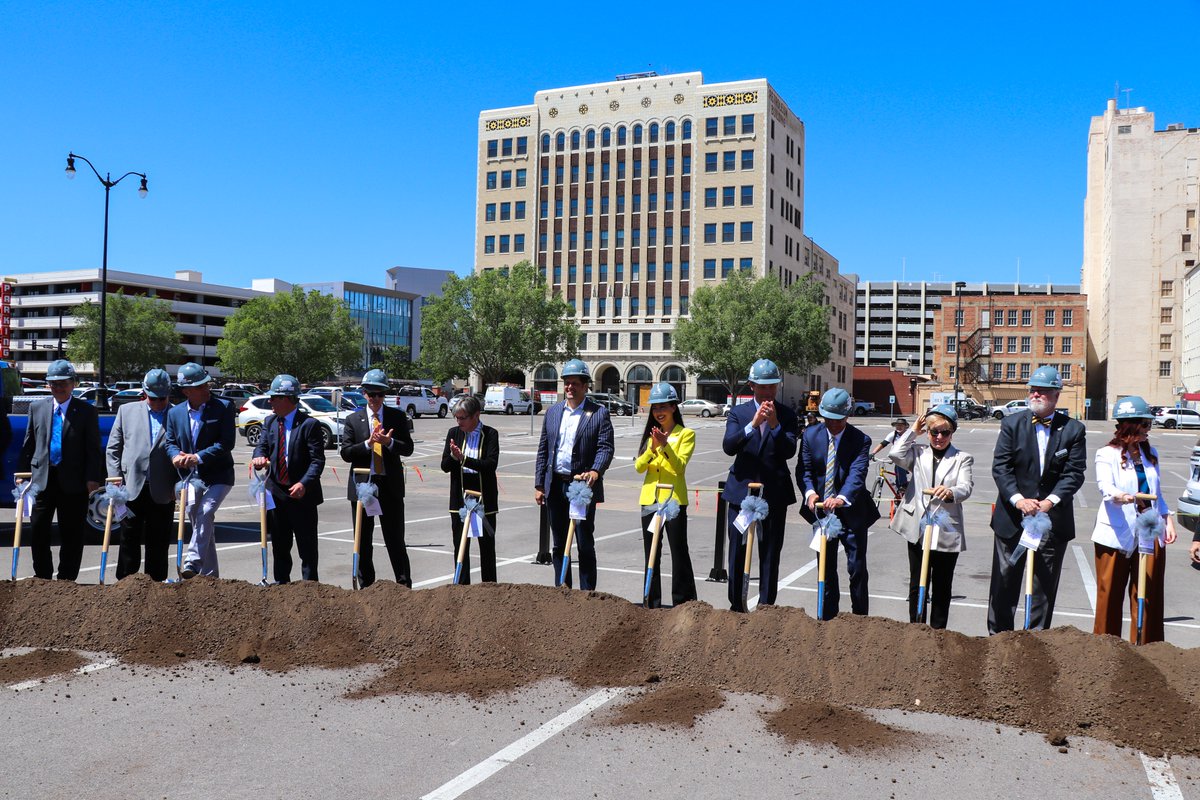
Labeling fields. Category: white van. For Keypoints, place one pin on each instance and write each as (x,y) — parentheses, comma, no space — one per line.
(507,399)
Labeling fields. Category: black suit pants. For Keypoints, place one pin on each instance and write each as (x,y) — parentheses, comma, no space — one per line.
(683,580)
(558,510)
(1008,584)
(150,524)
(391,524)
(293,519)
(769,545)
(487,550)
(855,543)
(939,587)
(71,508)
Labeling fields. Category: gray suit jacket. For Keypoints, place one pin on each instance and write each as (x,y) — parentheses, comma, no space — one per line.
(136,459)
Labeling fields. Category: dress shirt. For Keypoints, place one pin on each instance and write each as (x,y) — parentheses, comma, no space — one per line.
(157,420)
(1042,431)
(763,429)
(194,415)
(566,438)
(288,422)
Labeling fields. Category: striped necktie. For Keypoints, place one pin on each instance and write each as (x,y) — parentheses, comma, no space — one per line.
(830,467)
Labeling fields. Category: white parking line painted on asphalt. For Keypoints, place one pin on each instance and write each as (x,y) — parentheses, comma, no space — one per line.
(1163,785)
(84,670)
(1089,580)
(485,769)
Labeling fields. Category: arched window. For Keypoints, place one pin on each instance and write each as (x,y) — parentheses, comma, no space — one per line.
(605,137)
(545,373)
(639,374)
(545,143)
(591,138)
(574,140)
(637,134)
(687,130)
(560,142)
(673,374)
(621,136)
(670,131)
(653,132)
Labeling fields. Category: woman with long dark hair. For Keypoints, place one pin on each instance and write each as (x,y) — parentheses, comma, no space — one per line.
(663,455)
(1125,467)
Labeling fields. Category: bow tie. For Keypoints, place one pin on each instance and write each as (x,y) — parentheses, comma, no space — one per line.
(1043,420)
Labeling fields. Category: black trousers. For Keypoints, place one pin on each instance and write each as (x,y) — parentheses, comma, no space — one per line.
(150,525)
(71,508)
(769,545)
(1008,584)
(940,585)
(391,524)
(293,519)
(559,511)
(487,550)
(855,543)
(683,581)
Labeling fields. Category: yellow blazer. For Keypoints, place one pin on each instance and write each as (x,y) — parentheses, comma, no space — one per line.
(667,465)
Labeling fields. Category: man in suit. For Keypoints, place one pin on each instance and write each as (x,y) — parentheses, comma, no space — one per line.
(1039,463)
(761,437)
(292,449)
(576,445)
(200,439)
(137,454)
(834,457)
(471,455)
(62,449)
(376,438)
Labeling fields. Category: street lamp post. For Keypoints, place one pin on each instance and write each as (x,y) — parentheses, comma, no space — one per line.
(958,320)
(107,182)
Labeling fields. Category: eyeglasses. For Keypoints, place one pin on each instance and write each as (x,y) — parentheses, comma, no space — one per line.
(461,418)
(940,432)
(375,394)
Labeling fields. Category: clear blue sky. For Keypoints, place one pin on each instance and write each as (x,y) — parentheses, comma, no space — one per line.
(307,142)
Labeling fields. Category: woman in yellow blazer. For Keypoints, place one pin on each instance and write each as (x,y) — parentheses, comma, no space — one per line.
(663,456)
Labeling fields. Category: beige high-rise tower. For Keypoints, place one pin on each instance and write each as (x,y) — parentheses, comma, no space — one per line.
(1139,242)
(630,194)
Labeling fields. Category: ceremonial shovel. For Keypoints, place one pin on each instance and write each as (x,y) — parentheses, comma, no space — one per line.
(23,477)
(1141,589)
(355,580)
(751,530)
(655,541)
(108,520)
(926,547)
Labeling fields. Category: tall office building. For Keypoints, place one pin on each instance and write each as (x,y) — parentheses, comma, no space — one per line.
(1139,243)
(628,195)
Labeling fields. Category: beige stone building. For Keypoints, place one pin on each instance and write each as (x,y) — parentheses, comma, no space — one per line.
(630,194)
(1139,243)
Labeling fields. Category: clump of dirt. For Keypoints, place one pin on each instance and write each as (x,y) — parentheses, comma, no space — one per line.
(485,638)
(37,665)
(846,729)
(675,706)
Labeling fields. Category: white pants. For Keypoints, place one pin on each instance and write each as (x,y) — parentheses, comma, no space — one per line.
(201,553)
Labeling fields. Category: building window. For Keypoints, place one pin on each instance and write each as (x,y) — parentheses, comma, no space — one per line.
(710,232)
(491,148)
(687,130)
(747,231)
(637,134)
(522,145)
(602,339)
(747,195)
(1066,344)
(669,202)
(670,132)
(997,319)
(747,124)
(952,370)
(1025,372)
(710,126)
(1164,341)
(746,265)
(727,231)
(1048,345)
(687,165)
(491,180)
(1186,243)
(505,211)
(710,197)
(489,212)
(1012,344)
(1026,317)
(1068,317)
(519,243)
(684,269)
(616,313)
(633,306)
(649,306)
(489,244)
(710,268)
(1164,314)
(1049,318)
(667,313)
(730,125)
(1168,288)
(519,210)
(1164,369)
(958,318)
(710,162)
(997,344)
(1010,372)
(1064,371)
(506,148)
(951,344)
(729,160)
(1124,129)
(726,267)
(727,196)
(1012,318)
(747,159)
(1026,344)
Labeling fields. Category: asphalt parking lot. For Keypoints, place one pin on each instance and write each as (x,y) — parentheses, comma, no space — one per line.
(227,730)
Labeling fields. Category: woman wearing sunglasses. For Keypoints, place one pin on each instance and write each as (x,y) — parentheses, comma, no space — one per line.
(1125,467)
(946,470)
(471,455)
(663,456)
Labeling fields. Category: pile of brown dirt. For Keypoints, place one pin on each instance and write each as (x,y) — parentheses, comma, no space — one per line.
(677,706)
(493,637)
(844,728)
(37,665)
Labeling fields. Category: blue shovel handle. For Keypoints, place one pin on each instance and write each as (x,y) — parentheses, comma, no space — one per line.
(920,602)
(16,559)
(264,563)
(103,565)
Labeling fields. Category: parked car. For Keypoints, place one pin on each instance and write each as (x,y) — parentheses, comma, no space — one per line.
(418,400)
(256,409)
(125,396)
(1187,507)
(507,400)
(704,408)
(237,394)
(1178,418)
(1010,408)
(969,409)
(615,405)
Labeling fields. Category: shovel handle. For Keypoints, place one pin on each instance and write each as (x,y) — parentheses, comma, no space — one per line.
(1149,498)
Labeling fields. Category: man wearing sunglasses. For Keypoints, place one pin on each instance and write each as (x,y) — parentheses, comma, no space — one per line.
(1039,463)
(377,438)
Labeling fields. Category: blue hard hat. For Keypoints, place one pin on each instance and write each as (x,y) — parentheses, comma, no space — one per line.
(577,368)
(765,372)
(1045,378)
(284,386)
(946,410)
(835,404)
(60,370)
(375,379)
(157,384)
(663,393)
(192,374)
(1132,407)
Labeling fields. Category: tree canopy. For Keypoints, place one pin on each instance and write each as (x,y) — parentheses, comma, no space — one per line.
(494,323)
(140,335)
(397,363)
(306,334)
(742,319)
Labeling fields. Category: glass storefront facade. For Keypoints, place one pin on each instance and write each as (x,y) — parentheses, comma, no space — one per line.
(386,320)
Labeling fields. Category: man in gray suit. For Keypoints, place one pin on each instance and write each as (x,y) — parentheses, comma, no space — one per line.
(137,453)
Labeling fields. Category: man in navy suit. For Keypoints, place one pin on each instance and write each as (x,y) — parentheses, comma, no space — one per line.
(576,444)
(833,465)
(761,436)
(292,449)
(62,450)
(200,439)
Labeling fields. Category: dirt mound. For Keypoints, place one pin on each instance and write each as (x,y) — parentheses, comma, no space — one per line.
(492,637)
(844,728)
(37,665)
(676,706)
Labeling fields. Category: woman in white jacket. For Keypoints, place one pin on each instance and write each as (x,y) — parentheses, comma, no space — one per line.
(946,470)
(1126,466)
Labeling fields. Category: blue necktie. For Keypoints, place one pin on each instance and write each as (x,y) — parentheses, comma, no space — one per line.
(56,438)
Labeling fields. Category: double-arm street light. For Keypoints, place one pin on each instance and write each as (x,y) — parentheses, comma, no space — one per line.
(107,182)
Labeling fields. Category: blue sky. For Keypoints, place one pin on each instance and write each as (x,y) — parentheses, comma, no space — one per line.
(308,141)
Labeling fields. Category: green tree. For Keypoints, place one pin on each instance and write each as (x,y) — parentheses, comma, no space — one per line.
(140,335)
(306,334)
(397,364)
(494,323)
(743,319)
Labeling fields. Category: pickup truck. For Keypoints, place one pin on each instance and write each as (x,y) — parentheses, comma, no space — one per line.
(862,408)
(418,400)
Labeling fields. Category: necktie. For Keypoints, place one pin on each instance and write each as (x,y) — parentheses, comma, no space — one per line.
(195,420)
(281,470)
(1043,420)
(56,437)
(376,449)
(830,468)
